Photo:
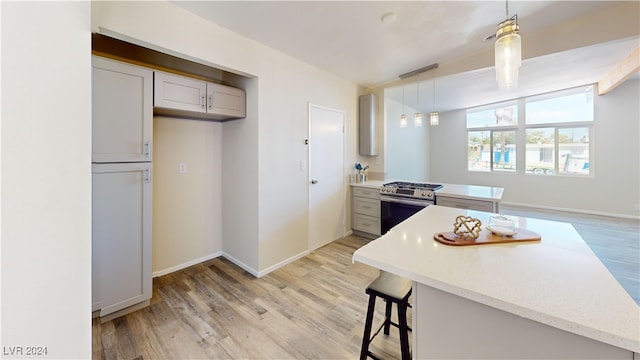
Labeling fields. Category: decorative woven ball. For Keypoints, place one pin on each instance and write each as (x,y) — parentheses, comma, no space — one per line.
(467,227)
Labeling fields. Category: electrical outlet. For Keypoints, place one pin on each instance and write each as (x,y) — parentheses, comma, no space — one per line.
(637,207)
(182,168)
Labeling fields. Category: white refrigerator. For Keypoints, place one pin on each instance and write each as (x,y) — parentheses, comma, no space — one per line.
(122,134)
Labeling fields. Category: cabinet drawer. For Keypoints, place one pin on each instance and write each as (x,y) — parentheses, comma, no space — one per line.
(366,206)
(368,224)
(372,193)
(467,204)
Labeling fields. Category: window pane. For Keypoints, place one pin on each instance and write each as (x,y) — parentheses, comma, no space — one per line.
(504,151)
(574,105)
(479,150)
(502,115)
(573,150)
(540,156)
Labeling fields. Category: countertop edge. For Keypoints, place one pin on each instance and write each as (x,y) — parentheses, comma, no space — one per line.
(540,317)
(485,193)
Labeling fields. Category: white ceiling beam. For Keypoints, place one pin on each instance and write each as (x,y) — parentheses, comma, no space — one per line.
(625,69)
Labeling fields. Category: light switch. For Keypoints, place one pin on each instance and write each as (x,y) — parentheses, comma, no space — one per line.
(182,168)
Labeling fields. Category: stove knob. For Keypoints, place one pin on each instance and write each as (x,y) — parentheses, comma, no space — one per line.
(424,193)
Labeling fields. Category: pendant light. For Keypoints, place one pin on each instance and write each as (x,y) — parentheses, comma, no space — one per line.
(417,117)
(508,52)
(403,117)
(433,116)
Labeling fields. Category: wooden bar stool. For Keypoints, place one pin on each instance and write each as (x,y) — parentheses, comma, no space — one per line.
(394,290)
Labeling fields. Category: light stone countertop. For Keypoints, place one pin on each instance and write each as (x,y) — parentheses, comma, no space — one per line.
(558,281)
(453,190)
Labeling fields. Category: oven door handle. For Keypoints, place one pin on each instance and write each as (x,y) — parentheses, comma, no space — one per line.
(406,201)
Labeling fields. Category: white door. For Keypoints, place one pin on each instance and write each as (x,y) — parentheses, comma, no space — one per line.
(326,176)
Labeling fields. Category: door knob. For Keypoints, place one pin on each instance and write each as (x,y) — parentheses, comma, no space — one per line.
(314,181)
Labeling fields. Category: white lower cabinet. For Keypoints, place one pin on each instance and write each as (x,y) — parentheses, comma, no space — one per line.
(365,207)
(121,236)
(467,204)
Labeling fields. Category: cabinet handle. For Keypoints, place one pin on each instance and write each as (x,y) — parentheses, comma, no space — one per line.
(146,176)
(202,101)
(209,101)
(146,148)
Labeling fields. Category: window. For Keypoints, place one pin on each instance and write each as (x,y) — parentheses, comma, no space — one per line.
(556,127)
(493,149)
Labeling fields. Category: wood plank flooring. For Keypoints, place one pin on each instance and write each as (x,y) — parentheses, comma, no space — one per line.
(616,241)
(313,308)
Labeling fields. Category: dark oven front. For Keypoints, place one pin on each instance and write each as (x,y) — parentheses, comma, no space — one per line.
(396,209)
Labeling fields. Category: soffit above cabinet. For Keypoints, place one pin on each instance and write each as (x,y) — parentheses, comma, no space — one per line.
(107,46)
(214,101)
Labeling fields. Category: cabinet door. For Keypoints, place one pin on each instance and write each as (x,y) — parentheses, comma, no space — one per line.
(368,224)
(122,111)
(225,101)
(179,93)
(366,206)
(121,235)
(467,204)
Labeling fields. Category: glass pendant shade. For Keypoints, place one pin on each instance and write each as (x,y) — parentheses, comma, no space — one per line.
(403,121)
(417,119)
(433,118)
(508,54)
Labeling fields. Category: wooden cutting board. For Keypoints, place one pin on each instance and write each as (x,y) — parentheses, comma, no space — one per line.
(486,237)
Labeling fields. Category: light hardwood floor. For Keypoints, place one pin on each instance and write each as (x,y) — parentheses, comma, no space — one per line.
(313,308)
(616,241)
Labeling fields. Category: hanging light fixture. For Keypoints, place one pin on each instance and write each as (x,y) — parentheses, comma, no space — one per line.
(508,52)
(403,117)
(433,116)
(417,117)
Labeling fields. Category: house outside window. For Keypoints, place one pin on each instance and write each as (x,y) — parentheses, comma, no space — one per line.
(557,129)
(492,137)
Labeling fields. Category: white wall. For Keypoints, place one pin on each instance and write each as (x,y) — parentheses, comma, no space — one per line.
(264,192)
(613,189)
(407,149)
(187,207)
(46,177)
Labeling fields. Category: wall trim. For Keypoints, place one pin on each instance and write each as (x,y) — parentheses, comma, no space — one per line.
(620,216)
(236,262)
(186,264)
(283,263)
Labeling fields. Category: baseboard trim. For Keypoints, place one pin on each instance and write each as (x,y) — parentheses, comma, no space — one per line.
(239,263)
(186,264)
(283,263)
(598,213)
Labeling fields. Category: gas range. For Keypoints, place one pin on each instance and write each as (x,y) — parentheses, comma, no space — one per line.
(410,190)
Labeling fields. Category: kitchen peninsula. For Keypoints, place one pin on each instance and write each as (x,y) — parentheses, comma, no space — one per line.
(548,299)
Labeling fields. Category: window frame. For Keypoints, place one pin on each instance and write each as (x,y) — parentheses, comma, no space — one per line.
(521,127)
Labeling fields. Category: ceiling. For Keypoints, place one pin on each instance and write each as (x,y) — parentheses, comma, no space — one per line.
(349,39)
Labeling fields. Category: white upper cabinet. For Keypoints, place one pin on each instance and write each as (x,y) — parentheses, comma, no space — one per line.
(182,96)
(122,111)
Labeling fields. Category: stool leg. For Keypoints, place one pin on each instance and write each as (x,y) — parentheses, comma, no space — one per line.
(404,331)
(366,337)
(387,317)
